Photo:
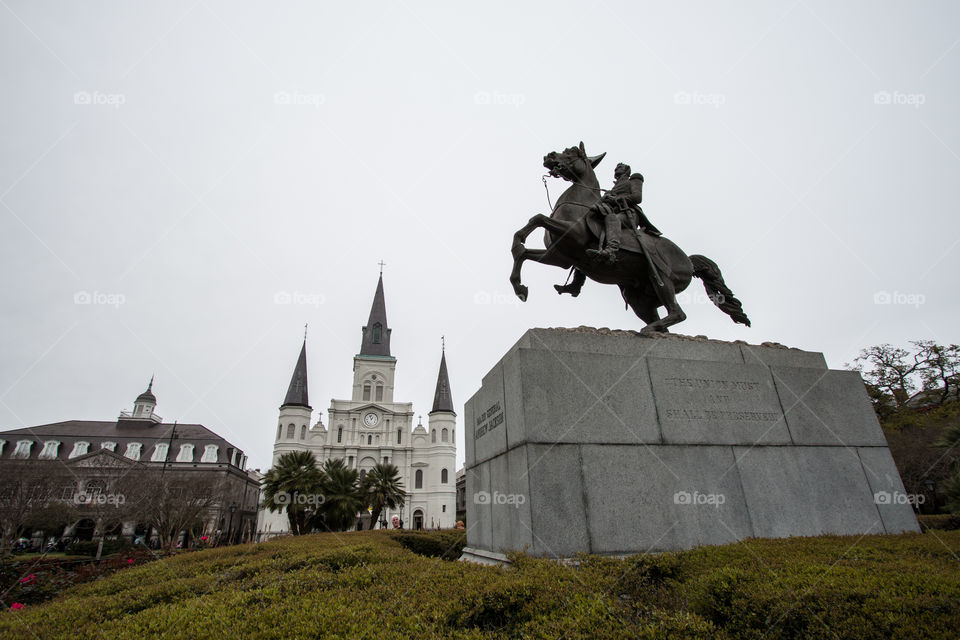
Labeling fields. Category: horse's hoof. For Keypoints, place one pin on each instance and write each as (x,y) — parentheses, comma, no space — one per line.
(522,293)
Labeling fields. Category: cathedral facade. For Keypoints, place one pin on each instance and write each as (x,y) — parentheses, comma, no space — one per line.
(372,427)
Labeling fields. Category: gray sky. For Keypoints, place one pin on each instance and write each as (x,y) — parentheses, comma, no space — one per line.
(190,166)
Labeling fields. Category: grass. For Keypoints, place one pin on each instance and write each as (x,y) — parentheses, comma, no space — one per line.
(372,584)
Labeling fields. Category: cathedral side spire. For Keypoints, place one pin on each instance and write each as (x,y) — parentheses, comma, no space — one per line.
(297,391)
(376,333)
(442,400)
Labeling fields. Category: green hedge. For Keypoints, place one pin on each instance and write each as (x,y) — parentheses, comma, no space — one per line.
(946,521)
(447,544)
(370,584)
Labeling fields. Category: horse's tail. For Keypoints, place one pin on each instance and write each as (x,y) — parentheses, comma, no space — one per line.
(718,291)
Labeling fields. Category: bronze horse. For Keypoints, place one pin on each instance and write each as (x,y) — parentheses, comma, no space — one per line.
(572,228)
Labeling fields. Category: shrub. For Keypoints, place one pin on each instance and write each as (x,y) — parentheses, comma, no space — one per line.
(944,522)
(447,544)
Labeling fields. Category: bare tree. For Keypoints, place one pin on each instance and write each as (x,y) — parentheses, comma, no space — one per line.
(894,376)
(176,500)
(26,487)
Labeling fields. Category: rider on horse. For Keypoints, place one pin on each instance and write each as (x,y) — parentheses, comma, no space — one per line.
(621,206)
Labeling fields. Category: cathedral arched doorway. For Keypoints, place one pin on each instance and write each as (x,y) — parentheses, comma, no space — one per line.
(418,519)
(84,529)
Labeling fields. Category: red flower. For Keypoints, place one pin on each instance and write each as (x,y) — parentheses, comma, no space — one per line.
(130,561)
(15,606)
(30,579)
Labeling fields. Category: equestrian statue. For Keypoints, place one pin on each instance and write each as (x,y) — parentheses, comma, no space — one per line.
(605,236)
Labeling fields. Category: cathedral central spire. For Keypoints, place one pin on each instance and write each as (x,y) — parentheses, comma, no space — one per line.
(297,391)
(442,400)
(376,333)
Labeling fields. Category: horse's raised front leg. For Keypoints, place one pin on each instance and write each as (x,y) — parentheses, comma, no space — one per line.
(521,253)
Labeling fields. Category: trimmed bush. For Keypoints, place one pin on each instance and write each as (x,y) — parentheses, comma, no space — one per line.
(373,584)
(944,522)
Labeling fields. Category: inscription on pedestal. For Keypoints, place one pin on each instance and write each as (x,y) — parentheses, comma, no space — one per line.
(488,420)
(720,403)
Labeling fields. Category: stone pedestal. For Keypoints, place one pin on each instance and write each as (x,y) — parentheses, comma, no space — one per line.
(586,440)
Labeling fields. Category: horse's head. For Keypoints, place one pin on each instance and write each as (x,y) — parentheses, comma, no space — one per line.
(571,164)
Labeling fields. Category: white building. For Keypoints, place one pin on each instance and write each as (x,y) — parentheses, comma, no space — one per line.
(371,427)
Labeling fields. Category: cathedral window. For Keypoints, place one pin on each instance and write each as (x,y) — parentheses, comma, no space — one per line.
(433,436)
(340,434)
(366,392)
(444,509)
(443,476)
(50,448)
(418,479)
(445,436)
(377,333)
(279,430)
(159,452)
(379,392)
(209,453)
(369,439)
(186,453)
(79,449)
(399,436)
(133,450)
(303,432)
(291,431)
(23,449)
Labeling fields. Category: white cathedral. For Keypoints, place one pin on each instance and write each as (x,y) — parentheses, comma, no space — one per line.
(371,428)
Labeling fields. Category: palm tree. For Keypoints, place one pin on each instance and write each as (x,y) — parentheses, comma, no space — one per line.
(383,490)
(288,486)
(341,497)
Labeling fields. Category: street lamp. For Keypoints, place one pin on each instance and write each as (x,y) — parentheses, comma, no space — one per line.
(233,507)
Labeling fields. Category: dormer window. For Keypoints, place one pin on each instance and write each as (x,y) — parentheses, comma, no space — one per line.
(109,446)
(186,453)
(209,453)
(80,448)
(133,450)
(50,448)
(23,449)
(159,452)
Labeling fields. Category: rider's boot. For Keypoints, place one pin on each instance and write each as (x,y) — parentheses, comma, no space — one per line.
(608,254)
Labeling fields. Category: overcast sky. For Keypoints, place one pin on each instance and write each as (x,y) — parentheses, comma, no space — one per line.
(183,185)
